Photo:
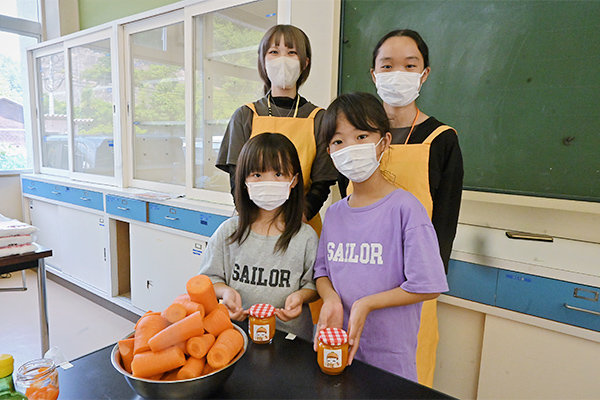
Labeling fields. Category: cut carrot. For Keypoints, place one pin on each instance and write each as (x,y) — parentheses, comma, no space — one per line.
(198,346)
(223,308)
(184,329)
(145,315)
(182,346)
(192,368)
(170,375)
(174,313)
(216,322)
(226,347)
(147,327)
(190,306)
(201,290)
(126,350)
(156,377)
(150,363)
(207,369)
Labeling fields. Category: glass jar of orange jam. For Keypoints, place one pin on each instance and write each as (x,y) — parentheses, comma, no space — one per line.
(261,323)
(332,352)
(38,379)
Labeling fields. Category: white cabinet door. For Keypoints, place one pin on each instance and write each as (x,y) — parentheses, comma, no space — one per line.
(78,240)
(161,264)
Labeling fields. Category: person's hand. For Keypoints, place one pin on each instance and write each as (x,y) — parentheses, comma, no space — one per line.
(292,308)
(356,323)
(233,302)
(331,316)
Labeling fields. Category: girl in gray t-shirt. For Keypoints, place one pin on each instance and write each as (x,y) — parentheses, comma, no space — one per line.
(266,253)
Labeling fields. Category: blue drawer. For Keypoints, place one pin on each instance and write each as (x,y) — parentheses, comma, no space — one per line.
(560,301)
(86,198)
(472,282)
(34,187)
(187,220)
(125,207)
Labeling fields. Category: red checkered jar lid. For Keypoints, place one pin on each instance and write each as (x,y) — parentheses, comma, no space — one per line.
(262,310)
(333,336)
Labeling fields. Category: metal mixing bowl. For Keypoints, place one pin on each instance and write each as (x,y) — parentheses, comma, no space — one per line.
(189,388)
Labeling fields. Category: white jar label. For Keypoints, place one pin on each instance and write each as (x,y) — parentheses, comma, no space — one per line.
(332,358)
(260,333)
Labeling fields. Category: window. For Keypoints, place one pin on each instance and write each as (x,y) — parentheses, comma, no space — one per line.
(19,29)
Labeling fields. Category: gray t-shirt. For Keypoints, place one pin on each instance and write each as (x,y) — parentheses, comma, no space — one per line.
(240,127)
(262,276)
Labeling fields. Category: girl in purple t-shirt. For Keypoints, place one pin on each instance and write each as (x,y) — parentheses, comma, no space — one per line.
(378,255)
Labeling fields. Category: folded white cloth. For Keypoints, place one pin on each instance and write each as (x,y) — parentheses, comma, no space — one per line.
(18,249)
(6,241)
(14,227)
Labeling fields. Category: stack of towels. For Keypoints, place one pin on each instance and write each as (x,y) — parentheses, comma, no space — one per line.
(16,237)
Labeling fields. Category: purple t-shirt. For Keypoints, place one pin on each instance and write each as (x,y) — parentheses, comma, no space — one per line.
(366,250)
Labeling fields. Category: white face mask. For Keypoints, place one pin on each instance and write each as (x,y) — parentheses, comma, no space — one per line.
(283,71)
(398,88)
(357,162)
(269,195)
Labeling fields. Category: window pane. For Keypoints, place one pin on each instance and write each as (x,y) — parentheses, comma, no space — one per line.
(91,83)
(53,118)
(26,9)
(226,77)
(159,105)
(13,78)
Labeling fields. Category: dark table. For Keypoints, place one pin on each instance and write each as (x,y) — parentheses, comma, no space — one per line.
(35,260)
(283,369)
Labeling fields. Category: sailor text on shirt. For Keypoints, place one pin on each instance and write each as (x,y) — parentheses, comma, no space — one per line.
(363,253)
(254,276)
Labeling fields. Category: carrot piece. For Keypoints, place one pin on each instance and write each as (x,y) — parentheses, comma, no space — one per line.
(198,346)
(156,377)
(201,290)
(174,313)
(192,368)
(182,346)
(150,363)
(216,322)
(147,327)
(170,375)
(207,369)
(227,345)
(184,329)
(126,350)
(190,306)
(223,308)
(145,315)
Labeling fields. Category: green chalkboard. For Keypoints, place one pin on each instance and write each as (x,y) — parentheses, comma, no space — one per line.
(519,80)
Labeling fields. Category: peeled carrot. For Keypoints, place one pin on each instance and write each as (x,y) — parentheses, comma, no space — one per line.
(170,375)
(216,322)
(198,346)
(174,313)
(192,368)
(227,345)
(184,329)
(207,369)
(201,290)
(223,308)
(147,327)
(150,363)
(190,306)
(126,350)
(156,377)
(182,346)
(145,315)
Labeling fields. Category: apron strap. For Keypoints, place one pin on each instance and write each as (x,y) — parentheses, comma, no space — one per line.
(314,113)
(437,132)
(251,107)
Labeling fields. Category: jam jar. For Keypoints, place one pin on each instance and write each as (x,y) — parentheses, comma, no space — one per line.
(261,323)
(332,353)
(38,379)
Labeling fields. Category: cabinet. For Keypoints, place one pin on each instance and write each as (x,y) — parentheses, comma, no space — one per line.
(78,239)
(161,264)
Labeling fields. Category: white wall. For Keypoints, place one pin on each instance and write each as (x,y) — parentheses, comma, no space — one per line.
(10,196)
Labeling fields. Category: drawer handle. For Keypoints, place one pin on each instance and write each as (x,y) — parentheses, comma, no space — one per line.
(529,236)
(171,218)
(123,208)
(582,310)
(85,198)
(31,187)
(55,192)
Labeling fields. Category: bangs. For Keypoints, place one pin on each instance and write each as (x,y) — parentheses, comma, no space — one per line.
(289,38)
(270,159)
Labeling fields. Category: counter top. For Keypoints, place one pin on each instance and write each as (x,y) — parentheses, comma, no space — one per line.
(283,369)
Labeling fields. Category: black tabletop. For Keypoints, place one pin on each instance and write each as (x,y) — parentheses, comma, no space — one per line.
(283,369)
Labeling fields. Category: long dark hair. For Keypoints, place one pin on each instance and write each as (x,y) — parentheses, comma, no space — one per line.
(362,110)
(268,152)
(293,37)
(421,45)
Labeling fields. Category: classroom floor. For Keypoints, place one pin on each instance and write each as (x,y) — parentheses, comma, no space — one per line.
(77,325)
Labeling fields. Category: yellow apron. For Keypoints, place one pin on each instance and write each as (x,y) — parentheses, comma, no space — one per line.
(301,132)
(407,167)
